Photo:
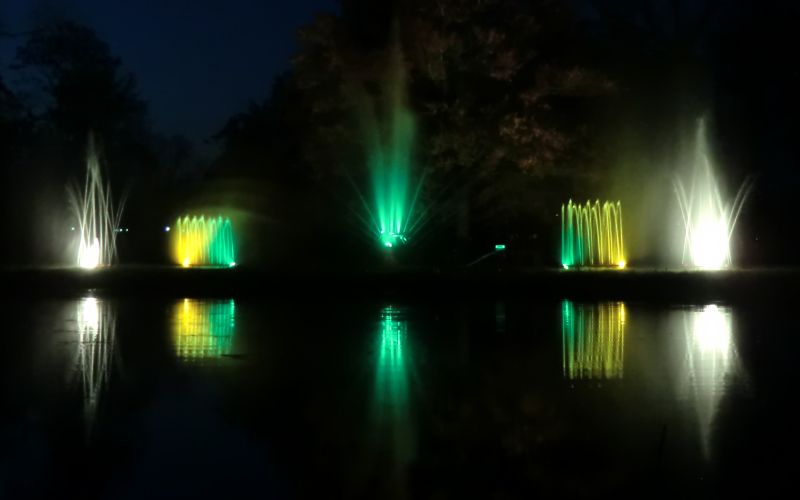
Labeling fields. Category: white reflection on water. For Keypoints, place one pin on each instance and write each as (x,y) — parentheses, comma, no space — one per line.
(97,323)
(710,363)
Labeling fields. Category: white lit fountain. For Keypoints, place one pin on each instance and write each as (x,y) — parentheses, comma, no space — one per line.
(709,218)
(97,215)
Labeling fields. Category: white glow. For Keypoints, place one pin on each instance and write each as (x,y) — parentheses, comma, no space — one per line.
(710,242)
(710,364)
(712,330)
(88,316)
(89,255)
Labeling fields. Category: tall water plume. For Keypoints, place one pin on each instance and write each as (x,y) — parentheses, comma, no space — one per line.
(709,218)
(390,137)
(96,214)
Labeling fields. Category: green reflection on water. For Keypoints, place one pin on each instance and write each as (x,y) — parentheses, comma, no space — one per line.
(203,329)
(593,340)
(392,420)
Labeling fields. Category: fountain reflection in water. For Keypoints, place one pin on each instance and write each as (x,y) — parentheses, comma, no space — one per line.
(593,340)
(710,362)
(97,323)
(393,426)
(98,217)
(203,329)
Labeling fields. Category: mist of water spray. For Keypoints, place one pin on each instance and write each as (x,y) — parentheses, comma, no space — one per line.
(591,235)
(709,219)
(97,215)
(392,215)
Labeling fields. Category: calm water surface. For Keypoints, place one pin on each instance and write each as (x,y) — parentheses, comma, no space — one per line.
(509,399)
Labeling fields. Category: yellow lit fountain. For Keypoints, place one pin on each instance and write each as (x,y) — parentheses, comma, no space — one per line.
(591,235)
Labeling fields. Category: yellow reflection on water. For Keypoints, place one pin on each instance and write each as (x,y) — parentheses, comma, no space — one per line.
(97,322)
(593,340)
(203,329)
(710,361)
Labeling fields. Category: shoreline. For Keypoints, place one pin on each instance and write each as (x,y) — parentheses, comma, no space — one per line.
(739,286)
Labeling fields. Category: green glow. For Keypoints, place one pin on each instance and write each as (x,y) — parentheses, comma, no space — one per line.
(201,241)
(499,248)
(593,338)
(392,413)
(203,329)
(591,235)
(390,145)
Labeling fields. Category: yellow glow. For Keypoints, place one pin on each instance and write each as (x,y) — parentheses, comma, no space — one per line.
(203,329)
(621,264)
(593,337)
(186,262)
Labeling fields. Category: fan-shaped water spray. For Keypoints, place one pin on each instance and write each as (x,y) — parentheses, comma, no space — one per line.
(200,241)
(708,217)
(392,216)
(591,235)
(97,215)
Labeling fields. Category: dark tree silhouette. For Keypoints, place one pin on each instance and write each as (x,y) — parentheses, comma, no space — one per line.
(82,87)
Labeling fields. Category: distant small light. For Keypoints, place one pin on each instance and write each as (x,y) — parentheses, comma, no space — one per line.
(127,229)
(387,244)
(232,264)
(186,262)
(499,248)
(622,264)
(565,266)
(72,228)
(166,229)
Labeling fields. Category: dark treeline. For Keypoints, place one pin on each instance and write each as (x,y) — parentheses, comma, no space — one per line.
(519,105)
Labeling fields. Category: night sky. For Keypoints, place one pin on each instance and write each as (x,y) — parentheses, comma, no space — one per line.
(197,62)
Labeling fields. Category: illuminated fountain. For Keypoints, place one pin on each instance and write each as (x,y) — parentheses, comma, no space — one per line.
(97,324)
(200,241)
(97,216)
(591,235)
(709,364)
(393,217)
(593,340)
(203,329)
(708,218)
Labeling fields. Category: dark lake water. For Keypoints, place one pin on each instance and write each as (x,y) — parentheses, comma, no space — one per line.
(129,398)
